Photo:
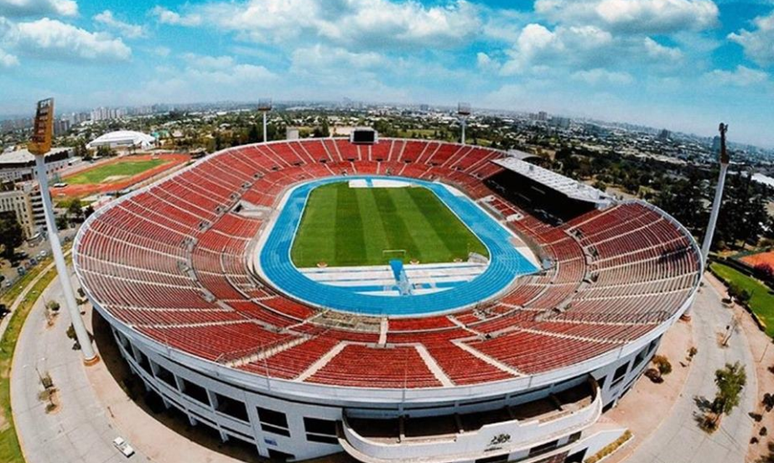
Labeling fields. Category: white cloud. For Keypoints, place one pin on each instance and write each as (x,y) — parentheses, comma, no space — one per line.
(660,52)
(633,16)
(742,76)
(53,39)
(565,46)
(130,31)
(602,76)
(349,23)
(209,62)
(486,63)
(16,8)
(165,16)
(7,60)
(758,44)
(319,58)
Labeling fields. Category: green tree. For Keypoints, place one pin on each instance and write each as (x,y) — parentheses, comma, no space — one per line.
(253,136)
(75,209)
(730,381)
(11,234)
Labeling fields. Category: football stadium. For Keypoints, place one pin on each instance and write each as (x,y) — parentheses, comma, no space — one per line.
(392,299)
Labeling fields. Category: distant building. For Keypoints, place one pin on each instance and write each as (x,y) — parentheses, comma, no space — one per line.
(123,139)
(664,135)
(25,201)
(291,133)
(19,165)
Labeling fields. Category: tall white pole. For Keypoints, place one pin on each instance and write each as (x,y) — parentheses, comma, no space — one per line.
(89,356)
(264,128)
(462,121)
(705,245)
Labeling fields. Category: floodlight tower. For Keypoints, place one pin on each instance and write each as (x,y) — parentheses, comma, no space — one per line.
(39,146)
(264,106)
(463,112)
(724,161)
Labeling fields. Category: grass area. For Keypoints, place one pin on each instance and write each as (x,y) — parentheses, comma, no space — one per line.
(762,301)
(124,168)
(344,226)
(10,451)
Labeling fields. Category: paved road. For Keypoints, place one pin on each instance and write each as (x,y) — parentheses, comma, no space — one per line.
(79,431)
(678,439)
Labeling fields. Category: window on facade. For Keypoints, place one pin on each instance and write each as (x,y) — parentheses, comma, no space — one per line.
(318,430)
(166,376)
(195,392)
(232,407)
(543,448)
(142,360)
(272,421)
(641,357)
(620,372)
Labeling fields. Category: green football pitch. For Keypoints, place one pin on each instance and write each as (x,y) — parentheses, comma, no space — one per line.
(345,226)
(123,169)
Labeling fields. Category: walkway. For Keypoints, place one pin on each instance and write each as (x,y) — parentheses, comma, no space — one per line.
(678,439)
(79,431)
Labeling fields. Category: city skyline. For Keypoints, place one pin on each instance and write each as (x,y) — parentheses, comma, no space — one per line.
(680,64)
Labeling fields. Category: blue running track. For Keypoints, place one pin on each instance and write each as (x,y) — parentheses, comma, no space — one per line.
(506,263)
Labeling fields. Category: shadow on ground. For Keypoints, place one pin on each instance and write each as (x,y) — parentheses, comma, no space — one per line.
(151,403)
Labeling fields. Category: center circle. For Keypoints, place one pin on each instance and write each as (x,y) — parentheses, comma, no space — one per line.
(388,281)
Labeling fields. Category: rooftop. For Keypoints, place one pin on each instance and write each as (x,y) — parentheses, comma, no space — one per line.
(567,186)
(24,156)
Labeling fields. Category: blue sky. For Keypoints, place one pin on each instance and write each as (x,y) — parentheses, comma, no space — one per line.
(680,64)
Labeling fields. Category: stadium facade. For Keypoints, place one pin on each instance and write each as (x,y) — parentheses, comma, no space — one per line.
(524,375)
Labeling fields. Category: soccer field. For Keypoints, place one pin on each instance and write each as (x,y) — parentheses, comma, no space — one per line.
(120,170)
(345,226)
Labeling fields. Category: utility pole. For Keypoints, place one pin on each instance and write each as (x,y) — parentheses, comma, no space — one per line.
(39,146)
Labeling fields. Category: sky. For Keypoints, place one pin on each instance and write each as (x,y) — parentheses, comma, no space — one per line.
(680,64)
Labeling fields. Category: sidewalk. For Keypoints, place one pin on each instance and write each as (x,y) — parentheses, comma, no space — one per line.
(79,430)
(678,439)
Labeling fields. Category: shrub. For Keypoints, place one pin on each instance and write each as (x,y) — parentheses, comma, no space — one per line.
(662,364)
(764,271)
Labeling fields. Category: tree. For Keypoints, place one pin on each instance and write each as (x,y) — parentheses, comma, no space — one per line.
(730,381)
(253,136)
(764,271)
(11,234)
(75,209)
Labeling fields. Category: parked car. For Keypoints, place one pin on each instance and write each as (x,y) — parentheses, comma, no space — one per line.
(123,446)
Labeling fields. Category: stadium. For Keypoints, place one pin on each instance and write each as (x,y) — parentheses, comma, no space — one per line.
(392,299)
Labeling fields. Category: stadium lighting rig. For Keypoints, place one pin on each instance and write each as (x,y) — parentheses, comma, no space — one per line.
(724,161)
(264,106)
(463,112)
(40,145)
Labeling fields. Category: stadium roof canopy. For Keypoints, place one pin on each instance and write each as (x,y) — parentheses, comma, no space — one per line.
(123,138)
(560,183)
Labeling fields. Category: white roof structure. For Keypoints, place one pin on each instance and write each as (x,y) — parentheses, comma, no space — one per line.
(567,186)
(24,156)
(123,138)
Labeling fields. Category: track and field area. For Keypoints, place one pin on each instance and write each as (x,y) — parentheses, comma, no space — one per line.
(109,173)
(345,226)
(760,258)
(117,174)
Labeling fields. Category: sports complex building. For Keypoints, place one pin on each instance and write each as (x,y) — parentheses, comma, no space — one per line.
(399,300)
